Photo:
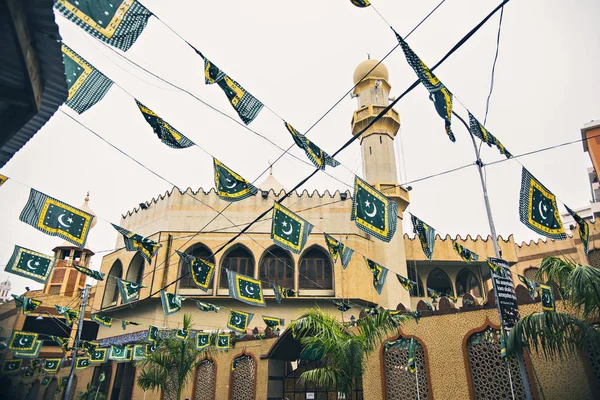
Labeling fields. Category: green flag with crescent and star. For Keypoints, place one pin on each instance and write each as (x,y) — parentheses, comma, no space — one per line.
(46,381)
(22,341)
(438,93)
(223,341)
(182,334)
(537,208)
(135,242)
(547,295)
(361,3)
(37,347)
(202,271)
(99,355)
(165,131)
(11,366)
(202,340)
(29,372)
(411,365)
(314,153)
(152,336)
(246,105)
(63,342)
(30,264)
(341,305)
(62,383)
(129,291)
(372,212)
(426,235)
(206,307)
(171,303)
(245,289)
(55,218)
(116,22)
(273,322)
(464,253)
(125,323)
(239,320)
(529,284)
(102,320)
(405,282)
(70,314)
(379,274)
(27,304)
(88,346)
(281,293)
(85,84)
(97,275)
(82,363)
(288,230)
(117,353)
(150,348)
(229,185)
(584,229)
(139,352)
(337,249)
(479,131)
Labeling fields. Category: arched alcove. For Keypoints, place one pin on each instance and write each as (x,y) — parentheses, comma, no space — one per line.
(197,250)
(277,266)
(238,259)
(315,270)
(439,281)
(135,272)
(242,378)
(206,372)
(530,272)
(467,282)
(111,294)
(400,384)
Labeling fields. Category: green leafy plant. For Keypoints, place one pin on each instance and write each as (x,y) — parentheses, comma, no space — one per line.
(91,393)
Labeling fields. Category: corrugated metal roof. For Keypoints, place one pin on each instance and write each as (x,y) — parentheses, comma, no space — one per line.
(47,43)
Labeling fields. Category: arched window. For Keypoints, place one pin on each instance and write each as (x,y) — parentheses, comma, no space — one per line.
(467,282)
(438,280)
(489,373)
(277,267)
(124,381)
(50,393)
(399,383)
(242,378)
(205,380)
(198,250)
(416,291)
(239,260)
(135,272)
(315,270)
(530,273)
(111,294)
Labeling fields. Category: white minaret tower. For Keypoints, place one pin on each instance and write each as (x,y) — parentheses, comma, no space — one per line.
(379,168)
(5,290)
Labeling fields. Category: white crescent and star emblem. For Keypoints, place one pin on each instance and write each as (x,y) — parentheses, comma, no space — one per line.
(540,207)
(29,265)
(11,366)
(248,291)
(237,320)
(60,221)
(287,232)
(230,186)
(373,213)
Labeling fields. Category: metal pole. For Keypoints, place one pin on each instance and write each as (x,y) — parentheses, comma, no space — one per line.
(417,378)
(84,298)
(488,209)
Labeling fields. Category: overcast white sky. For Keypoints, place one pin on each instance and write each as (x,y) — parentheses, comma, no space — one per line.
(298,58)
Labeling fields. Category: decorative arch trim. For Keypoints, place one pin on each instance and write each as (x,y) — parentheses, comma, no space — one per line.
(113,284)
(436,269)
(255,378)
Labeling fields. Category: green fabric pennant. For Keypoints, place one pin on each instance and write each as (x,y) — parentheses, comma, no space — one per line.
(341,305)
(238,360)
(548,303)
(202,271)
(438,93)
(70,314)
(3,179)
(246,105)
(139,352)
(129,291)
(30,353)
(537,208)
(314,153)
(30,264)
(27,304)
(152,336)
(165,131)
(229,185)
(99,355)
(82,363)
(464,253)
(223,341)
(97,275)
(239,320)
(62,383)
(405,282)
(529,284)
(171,303)
(11,366)
(117,353)
(281,293)
(206,307)
(55,218)
(479,131)
(63,342)
(135,242)
(426,235)
(46,381)
(116,22)
(288,230)
(372,212)
(202,340)
(245,289)
(182,334)
(337,248)
(88,346)
(150,348)
(584,229)
(102,320)
(273,322)
(361,3)
(412,364)
(124,324)
(86,85)
(379,274)
(22,341)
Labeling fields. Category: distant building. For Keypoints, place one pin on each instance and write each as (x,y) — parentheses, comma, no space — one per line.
(5,290)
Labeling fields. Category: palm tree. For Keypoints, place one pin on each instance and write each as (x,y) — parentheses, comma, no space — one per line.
(555,333)
(171,366)
(339,348)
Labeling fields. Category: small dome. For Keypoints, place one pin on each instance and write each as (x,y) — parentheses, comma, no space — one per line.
(364,67)
(272,183)
(85,207)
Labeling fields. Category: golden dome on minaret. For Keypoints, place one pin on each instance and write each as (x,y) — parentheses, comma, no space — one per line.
(380,72)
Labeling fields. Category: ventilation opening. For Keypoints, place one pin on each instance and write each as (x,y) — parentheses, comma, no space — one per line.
(370,151)
(380,140)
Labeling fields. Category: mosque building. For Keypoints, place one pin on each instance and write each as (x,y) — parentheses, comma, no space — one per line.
(452,360)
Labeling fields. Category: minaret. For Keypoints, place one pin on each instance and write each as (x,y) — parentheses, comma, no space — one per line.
(379,168)
(66,280)
(5,290)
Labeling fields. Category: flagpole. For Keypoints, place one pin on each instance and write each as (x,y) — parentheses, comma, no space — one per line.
(84,298)
(417,379)
(488,209)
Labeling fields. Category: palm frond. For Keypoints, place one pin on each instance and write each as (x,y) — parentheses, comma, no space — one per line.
(584,288)
(555,270)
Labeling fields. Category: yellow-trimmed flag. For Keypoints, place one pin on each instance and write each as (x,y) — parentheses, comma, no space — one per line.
(584,229)
(30,264)
(337,249)
(152,336)
(239,320)
(202,340)
(3,179)
(165,131)
(341,305)
(281,293)
(273,322)
(171,303)
(22,341)
(135,242)
(245,289)
(479,131)
(288,230)
(30,353)
(11,366)
(102,320)
(229,185)
(129,291)
(537,208)
(55,218)
(70,314)
(63,342)
(314,153)
(117,353)
(82,363)
(116,22)
(46,381)
(223,341)
(464,253)
(411,365)
(379,274)
(125,323)
(202,271)
(182,334)
(372,212)
(206,307)
(426,235)
(99,355)
(529,284)
(97,275)
(26,303)
(139,352)
(405,282)
(548,303)
(361,3)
